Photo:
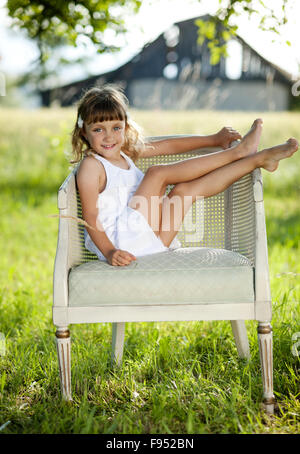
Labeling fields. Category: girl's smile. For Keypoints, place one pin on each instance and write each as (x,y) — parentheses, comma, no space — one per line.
(108,147)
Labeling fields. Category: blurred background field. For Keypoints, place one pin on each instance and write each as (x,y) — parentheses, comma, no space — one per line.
(154,392)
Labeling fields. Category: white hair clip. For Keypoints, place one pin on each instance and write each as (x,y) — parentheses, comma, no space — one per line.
(79,122)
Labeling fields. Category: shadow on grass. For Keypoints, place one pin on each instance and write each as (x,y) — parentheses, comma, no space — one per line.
(31,192)
(283,230)
(34,191)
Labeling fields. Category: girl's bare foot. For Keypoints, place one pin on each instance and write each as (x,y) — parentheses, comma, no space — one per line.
(250,141)
(272,156)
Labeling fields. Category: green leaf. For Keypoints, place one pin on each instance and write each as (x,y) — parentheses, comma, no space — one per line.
(226,35)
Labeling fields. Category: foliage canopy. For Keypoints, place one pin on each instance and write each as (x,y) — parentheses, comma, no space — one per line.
(52,24)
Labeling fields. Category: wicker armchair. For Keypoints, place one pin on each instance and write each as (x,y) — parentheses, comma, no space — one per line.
(220,273)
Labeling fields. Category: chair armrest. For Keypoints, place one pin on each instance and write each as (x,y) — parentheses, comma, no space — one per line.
(62,262)
(257,185)
(62,201)
(262,277)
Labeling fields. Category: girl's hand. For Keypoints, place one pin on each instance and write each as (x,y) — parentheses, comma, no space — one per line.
(117,257)
(225,136)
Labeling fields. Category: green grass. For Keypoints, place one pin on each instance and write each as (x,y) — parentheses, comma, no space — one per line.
(176,377)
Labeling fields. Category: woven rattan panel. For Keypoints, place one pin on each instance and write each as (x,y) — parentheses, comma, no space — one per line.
(242,223)
(223,221)
(77,253)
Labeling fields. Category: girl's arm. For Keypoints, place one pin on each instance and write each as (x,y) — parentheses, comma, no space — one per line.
(176,145)
(90,181)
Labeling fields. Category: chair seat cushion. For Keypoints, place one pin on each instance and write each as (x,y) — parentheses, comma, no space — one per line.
(185,275)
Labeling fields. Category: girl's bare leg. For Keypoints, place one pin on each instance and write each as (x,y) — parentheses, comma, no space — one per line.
(174,208)
(148,197)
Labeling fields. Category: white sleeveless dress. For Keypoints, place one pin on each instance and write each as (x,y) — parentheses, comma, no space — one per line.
(126,228)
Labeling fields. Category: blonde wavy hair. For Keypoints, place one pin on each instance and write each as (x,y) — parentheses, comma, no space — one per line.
(100,104)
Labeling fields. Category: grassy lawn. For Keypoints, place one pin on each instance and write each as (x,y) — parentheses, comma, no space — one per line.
(202,387)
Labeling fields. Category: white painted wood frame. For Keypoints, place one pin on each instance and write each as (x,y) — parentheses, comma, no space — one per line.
(259,310)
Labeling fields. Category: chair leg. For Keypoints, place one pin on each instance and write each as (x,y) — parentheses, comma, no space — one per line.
(241,339)
(63,344)
(118,334)
(265,341)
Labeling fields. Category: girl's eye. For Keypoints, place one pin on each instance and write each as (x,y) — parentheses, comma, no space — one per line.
(116,128)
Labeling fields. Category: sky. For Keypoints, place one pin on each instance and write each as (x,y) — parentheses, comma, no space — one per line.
(155,17)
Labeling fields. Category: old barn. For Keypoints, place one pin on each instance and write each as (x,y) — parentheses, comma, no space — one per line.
(174,72)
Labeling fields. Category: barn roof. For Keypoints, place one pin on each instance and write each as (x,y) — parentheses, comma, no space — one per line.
(155,56)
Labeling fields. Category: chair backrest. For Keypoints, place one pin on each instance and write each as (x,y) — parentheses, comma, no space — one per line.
(226,220)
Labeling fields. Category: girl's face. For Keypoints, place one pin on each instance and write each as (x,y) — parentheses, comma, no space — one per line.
(107,137)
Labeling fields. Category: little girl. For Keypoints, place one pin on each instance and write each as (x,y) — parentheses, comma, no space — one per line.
(128,213)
